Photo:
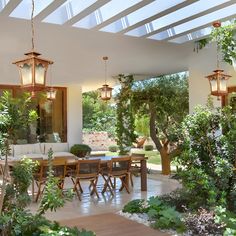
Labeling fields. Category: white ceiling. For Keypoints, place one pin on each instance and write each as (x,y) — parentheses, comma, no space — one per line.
(77,52)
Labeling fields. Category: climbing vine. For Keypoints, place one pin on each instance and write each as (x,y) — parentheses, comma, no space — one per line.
(125,117)
(225,38)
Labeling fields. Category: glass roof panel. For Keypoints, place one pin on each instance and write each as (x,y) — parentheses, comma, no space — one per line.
(198,22)
(104,13)
(141,14)
(191,10)
(197,34)
(3,3)
(68,10)
(23,10)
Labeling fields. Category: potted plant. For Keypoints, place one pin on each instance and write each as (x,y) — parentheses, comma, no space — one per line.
(80,150)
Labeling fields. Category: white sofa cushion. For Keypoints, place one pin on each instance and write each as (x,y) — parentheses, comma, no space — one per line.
(23,149)
(63,154)
(56,147)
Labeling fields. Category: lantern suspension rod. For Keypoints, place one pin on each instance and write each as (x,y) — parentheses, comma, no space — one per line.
(32,25)
(105,60)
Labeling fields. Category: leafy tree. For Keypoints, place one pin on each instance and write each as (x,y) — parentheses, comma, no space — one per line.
(97,114)
(142,125)
(165,100)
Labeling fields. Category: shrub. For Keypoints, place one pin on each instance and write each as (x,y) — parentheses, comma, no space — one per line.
(135,206)
(148,147)
(178,198)
(80,150)
(208,157)
(203,223)
(113,148)
(228,219)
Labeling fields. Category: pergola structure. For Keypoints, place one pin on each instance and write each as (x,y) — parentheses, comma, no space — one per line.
(142,37)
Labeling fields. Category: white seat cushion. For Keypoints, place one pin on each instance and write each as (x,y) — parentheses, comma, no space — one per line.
(56,147)
(23,149)
(63,154)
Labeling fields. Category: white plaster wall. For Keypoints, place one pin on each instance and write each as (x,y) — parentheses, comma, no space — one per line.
(74,114)
(202,64)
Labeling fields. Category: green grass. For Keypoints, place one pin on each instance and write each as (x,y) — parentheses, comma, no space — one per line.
(153,156)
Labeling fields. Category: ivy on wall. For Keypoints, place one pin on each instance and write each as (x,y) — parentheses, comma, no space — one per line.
(125,116)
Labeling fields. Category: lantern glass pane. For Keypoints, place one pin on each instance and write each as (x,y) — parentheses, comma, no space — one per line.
(26,74)
(51,94)
(223,86)
(213,84)
(103,93)
(39,74)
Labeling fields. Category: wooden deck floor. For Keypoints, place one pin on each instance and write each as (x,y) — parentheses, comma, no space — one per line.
(111,224)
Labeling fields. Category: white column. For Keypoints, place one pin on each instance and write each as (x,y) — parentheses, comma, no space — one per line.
(74,114)
(202,64)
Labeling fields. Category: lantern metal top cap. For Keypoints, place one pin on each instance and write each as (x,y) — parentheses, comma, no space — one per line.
(216,24)
(31,55)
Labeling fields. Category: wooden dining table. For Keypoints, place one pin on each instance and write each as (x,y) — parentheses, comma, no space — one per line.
(104,159)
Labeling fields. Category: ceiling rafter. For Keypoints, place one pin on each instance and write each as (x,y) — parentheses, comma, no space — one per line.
(218,7)
(158,15)
(86,12)
(49,9)
(198,28)
(123,13)
(11,5)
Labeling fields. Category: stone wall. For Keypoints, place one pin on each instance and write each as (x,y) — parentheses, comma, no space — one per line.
(98,141)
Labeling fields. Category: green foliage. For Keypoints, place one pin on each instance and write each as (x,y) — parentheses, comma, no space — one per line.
(178,198)
(15,114)
(24,223)
(200,44)
(52,196)
(169,218)
(135,206)
(142,125)
(80,150)
(208,157)
(113,148)
(17,192)
(224,37)
(228,219)
(125,116)
(148,147)
(16,221)
(97,114)
(164,216)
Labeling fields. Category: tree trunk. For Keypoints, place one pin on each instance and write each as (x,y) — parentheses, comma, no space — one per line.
(165,161)
(162,148)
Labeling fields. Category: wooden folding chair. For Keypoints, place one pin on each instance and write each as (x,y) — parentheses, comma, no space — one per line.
(87,170)
(59,170)
(117,168)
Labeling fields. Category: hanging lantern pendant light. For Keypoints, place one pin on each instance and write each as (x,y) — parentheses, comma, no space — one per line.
(33,69)
(106,91)
(218,80)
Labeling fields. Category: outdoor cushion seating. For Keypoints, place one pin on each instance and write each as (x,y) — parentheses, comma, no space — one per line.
(40,150)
